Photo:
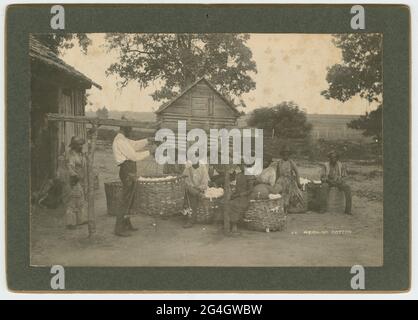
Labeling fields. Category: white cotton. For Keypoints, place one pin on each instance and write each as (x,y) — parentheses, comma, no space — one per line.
(213,193)
(273,196)
(151,179)
(304,180)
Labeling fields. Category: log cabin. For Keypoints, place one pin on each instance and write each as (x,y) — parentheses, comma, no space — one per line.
(201,105)
(56,87)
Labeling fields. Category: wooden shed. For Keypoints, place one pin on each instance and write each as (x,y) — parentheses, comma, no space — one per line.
(56,87)
(201,105)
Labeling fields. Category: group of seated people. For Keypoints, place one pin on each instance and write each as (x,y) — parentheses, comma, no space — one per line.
(278,177)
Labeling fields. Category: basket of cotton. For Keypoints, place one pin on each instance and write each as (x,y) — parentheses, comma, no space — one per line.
(266,214)
(159,195)
(211,205)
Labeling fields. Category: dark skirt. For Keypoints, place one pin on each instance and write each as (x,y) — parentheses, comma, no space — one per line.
(235,208)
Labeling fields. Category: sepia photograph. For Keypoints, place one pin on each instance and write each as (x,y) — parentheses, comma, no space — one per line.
(206,149)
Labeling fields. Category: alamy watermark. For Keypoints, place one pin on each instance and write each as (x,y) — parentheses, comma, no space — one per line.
(193,147)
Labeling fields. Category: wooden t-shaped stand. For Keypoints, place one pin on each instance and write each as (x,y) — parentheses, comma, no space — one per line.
(92,136)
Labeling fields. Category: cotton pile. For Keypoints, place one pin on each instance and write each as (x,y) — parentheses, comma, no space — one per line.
(273,196)
(213,193)
(155,179)
(304,181)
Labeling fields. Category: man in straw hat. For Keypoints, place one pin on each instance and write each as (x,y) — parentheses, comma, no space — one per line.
(197,181)
(333,176)
(126,153)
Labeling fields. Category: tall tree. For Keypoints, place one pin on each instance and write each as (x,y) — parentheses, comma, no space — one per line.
(286,119)
(371,124)
(58,42)
(360,72)
(177,60)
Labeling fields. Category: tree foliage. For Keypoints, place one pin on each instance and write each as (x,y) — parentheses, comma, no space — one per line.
(177,60)
(102,113)
(360,73)
(287,120)
(371,124)
(58,42)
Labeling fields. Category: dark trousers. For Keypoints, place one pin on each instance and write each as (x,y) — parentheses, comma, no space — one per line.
(193,200)
(127,174)
(342,186)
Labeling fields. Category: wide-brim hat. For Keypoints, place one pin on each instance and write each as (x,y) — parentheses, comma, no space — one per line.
(332,153)
(77,141)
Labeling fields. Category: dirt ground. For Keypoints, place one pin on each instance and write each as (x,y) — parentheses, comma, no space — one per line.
(310,239)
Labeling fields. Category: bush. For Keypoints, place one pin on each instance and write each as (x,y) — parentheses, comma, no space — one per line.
(318,150)
(347,150)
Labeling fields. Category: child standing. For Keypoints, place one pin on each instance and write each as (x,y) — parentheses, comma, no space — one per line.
(76,211)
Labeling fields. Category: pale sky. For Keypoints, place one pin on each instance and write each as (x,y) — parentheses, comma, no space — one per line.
(291,67)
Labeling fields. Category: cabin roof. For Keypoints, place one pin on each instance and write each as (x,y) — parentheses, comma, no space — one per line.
(43,54)
(169,103)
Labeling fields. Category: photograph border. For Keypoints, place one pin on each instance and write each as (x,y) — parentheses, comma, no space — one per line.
(393,21)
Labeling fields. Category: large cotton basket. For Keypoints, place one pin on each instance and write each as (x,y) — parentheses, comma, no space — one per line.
(160,197)
(265,215)
(113,191)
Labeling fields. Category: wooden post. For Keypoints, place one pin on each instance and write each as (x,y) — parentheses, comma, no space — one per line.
(95,123)
(90,180)
(227,183)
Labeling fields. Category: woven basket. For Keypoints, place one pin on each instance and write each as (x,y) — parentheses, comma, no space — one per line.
(314,196)
(265,215)
(209,210)
(159,198)
(113,191)
(299,208)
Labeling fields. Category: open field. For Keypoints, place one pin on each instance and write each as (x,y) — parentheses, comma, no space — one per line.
(310,239)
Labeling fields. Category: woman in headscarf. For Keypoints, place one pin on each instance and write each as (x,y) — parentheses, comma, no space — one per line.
(288,180)
(76,206)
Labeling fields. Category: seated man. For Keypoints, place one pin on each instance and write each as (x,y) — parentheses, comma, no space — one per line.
(197,179)
(333,176)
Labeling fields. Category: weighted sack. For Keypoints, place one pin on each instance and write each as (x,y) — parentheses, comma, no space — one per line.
(260,191)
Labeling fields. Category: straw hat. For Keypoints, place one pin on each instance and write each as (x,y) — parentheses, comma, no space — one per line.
(333,153)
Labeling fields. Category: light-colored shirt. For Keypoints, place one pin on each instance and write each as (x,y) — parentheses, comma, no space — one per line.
(334,172)
(197,178)
(127,149)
